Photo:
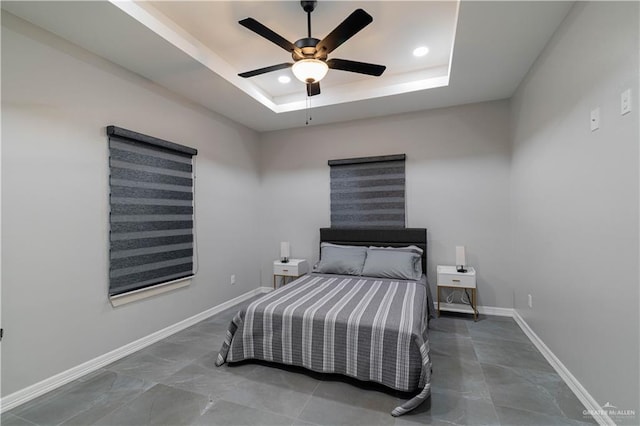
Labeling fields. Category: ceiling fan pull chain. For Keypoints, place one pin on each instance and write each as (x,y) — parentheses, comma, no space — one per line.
(309,118)
(306,111)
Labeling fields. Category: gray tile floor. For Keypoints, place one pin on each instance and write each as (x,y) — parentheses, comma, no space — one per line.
(484,373)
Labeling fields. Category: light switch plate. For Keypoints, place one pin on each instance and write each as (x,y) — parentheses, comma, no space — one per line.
(595,119)
(625,102)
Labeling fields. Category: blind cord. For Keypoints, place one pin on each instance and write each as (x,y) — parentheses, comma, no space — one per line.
(195,227)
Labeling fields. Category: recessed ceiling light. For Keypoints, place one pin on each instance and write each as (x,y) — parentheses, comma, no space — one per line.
(420,51)
(284,79)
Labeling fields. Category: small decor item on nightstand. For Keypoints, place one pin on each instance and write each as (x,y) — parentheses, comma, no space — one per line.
(460,259)
(285,252)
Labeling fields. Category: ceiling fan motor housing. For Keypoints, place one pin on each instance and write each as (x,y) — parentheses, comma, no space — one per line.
(307,46)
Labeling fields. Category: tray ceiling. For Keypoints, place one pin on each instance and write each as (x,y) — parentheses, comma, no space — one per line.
(478,51)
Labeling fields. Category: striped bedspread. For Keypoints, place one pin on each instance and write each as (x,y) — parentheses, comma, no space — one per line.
(367,328)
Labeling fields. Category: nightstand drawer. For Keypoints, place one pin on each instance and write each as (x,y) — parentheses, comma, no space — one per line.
(449,277)
(288,270)
(293,268)
(456,280)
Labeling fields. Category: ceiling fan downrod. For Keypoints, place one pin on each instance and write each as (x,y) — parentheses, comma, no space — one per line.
(307,45)
(308,6)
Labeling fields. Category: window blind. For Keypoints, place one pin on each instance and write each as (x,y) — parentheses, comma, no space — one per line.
(151,211)
(368,192)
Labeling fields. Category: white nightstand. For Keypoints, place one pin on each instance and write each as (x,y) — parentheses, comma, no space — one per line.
(294,268)
(449,277)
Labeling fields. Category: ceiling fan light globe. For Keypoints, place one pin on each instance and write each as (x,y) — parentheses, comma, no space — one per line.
(310,70)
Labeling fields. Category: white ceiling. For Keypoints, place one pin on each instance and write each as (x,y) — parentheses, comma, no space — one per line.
(479,51)
(430,23)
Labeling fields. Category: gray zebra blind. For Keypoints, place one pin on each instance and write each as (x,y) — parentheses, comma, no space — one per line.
(368,192)
(151,218)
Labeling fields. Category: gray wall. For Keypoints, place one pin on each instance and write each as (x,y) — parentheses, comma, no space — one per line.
(56,101)
(457,173)
(575,200)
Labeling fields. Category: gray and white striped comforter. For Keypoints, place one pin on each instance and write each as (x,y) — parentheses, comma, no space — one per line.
(368,328)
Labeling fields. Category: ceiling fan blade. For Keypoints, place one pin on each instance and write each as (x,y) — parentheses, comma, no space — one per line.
(313,89)
(359,67)
(265,70)
(265,32)
(343,32)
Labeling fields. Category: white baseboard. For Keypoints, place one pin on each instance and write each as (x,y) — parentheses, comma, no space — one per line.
(496,311)
(47,385)
(591,405)
(486,310)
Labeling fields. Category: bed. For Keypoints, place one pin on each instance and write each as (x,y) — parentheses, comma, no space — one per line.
(372,328)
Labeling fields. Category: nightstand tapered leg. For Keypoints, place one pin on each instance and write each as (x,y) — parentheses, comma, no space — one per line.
(438,301)
(475,306)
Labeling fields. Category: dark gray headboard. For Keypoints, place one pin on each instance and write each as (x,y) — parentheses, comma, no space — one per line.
(393,237)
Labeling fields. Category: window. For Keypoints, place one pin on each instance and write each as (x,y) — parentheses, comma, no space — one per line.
(368,192)
(152,205)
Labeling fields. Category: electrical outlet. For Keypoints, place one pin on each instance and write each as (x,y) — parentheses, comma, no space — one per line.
(530,301)
(625,102)
(233,279)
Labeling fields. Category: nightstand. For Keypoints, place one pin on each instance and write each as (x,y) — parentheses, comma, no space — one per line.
(449,277)
(294,268)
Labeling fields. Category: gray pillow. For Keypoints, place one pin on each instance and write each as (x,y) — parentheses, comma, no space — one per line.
(410,249)
(398,264)
(343,260)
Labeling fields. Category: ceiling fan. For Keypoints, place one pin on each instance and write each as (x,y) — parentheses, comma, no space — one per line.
(310,63)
